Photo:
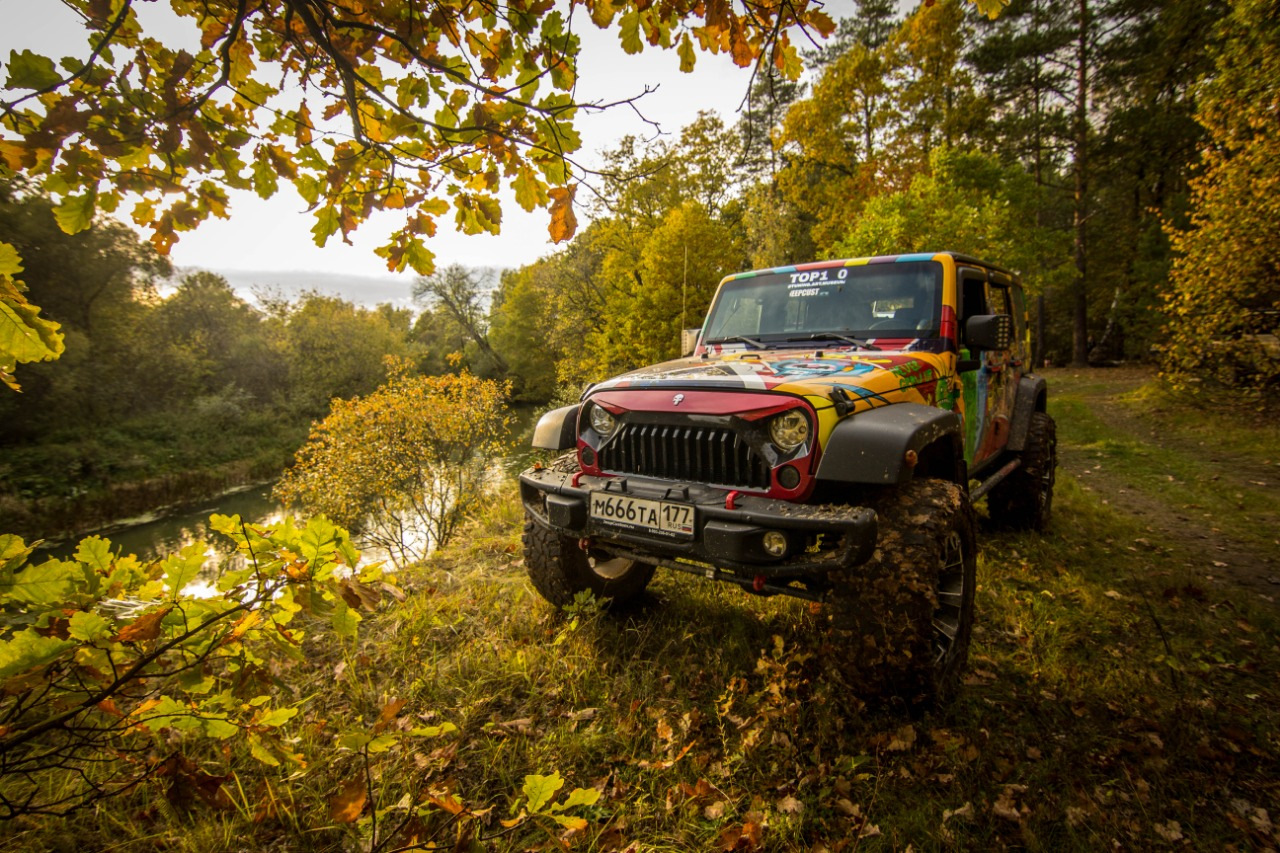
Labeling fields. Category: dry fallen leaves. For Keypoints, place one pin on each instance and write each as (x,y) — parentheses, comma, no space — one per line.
(848,808)
(1171,831)
(663,765)
(388,714)
(790,805)
(1006,806)
(746,837)
(347,804)
(903,739)
(664,731)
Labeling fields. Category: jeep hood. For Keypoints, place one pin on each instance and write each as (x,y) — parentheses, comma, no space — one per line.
(877,378)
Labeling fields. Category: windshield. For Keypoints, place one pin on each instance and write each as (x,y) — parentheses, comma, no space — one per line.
(894,300)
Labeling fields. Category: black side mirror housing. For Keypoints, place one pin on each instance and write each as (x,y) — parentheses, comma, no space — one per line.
(989,331)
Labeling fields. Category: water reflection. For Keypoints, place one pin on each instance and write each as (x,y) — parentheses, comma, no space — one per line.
(155,538)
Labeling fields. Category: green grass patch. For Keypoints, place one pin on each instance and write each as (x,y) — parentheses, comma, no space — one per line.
(1110,703)
(1206,469)
(81,479)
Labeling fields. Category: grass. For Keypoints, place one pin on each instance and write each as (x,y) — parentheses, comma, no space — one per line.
(1209,464)
(80,478)
(1115,699)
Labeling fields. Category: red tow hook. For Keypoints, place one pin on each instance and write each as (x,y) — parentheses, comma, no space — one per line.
(584,543)
(758,583)
(576,478)
(730,498)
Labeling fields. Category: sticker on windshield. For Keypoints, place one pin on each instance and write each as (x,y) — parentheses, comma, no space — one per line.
(799,279)
(815,283)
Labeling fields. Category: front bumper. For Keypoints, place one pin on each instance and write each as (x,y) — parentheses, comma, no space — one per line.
(822,537)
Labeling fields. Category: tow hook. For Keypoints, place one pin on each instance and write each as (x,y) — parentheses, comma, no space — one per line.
(585,544)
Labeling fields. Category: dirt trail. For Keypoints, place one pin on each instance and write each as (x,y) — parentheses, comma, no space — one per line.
(1187,530)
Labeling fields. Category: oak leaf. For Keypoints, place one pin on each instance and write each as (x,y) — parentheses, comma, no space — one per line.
(539,790)
(388,714)
(563,221)
(143,628)
(790,805)
(347,804)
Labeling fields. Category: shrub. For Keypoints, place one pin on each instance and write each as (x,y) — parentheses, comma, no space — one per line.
(404,465)
(116,671)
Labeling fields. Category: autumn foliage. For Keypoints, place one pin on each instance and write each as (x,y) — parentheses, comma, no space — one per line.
(404,465)
(25,336)
(428,110)
(115,670)
(1224,299)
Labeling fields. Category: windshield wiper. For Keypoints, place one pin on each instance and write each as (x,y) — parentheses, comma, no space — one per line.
(836,336)
(742,339)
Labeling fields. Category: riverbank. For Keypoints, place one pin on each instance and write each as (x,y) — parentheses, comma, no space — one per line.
(105,480)
(80,481)
(129,503)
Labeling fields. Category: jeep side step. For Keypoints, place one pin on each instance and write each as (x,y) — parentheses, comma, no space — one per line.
(990,483)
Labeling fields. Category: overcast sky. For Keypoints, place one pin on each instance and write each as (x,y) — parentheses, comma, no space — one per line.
(274,234)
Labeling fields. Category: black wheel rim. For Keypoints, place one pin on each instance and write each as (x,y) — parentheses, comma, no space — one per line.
(948,618)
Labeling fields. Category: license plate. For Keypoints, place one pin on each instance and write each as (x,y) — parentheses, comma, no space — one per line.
(657,516)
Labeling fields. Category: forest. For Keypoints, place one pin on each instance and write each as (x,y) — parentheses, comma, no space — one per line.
(1075,143)
(1120,155)
(162,398)
(1086,147)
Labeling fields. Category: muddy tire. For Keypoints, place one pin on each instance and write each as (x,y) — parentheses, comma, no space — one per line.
(1024,499)
(901,623)
(559,569)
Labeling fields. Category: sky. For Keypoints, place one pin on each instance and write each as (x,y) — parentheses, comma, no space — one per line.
(274,234)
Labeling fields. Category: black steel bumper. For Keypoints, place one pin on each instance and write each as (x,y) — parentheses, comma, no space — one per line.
(820,537)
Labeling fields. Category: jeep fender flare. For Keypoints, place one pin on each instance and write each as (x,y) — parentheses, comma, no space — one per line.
(557,429)
(872,447)
(1031,398)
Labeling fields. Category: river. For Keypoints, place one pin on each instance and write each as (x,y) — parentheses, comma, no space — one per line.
(157,535)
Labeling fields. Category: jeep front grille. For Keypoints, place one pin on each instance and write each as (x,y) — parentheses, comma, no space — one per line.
(712,455)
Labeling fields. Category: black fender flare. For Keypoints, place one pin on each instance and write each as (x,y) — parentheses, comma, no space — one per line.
(871,447)
(557,429)
(1032,393)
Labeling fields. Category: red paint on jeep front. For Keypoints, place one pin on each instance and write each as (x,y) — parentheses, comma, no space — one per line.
(745,405)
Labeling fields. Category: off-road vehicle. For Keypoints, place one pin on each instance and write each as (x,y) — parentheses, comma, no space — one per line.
(824,439)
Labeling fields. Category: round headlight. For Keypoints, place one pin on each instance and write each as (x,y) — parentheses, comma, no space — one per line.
(789,430)
(601,421)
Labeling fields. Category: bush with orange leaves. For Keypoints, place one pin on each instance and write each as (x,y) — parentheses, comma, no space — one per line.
(403,466)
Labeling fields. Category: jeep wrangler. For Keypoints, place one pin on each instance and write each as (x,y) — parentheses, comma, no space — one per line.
(825,438)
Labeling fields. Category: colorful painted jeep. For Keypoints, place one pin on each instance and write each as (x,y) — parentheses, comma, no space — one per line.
(825,439)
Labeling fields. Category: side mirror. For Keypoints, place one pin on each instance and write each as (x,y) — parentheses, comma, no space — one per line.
(688,341)
(989,331)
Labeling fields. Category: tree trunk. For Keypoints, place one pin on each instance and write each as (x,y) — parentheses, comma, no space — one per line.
(1079,215)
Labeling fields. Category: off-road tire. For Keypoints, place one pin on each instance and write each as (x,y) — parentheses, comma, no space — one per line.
(1024,499)
(901,623)
(559,569)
